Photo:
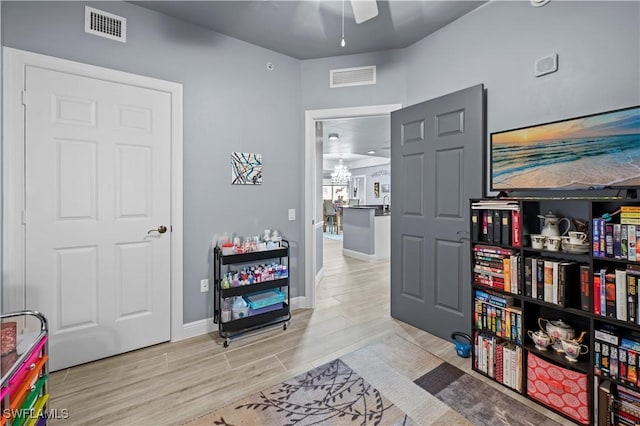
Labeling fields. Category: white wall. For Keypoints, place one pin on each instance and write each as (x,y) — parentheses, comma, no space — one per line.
(380,174)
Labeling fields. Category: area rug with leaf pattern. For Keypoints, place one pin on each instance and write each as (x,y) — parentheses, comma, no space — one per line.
(331,394)
(334,394)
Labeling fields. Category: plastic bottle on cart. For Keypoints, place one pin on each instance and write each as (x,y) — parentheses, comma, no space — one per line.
(239,309)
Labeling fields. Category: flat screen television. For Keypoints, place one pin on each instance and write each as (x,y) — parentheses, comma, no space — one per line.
(590,152)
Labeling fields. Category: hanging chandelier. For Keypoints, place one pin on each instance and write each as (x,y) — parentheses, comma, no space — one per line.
(341,173)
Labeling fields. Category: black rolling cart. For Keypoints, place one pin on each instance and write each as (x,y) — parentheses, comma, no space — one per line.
(270,315)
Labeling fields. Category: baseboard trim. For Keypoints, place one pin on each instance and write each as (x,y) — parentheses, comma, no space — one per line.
(319,275)
(205,326)
(359,256)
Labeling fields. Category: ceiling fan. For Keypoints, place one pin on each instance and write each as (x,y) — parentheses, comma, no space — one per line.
(363,10)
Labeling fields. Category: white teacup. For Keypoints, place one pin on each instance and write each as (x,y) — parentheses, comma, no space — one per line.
(540,339)
(566,242)
(537,241)
(572,350)
(553,243)
(576,237)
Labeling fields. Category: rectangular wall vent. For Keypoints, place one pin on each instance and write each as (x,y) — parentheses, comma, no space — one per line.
(346,77)
(105,24)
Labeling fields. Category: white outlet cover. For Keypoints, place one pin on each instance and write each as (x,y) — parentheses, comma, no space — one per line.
(292,214)
(204,286)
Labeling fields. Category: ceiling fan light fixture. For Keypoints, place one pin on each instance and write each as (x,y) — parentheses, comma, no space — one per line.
(539,3)
(363,10)
(371,152)
(333,136)
(342,42)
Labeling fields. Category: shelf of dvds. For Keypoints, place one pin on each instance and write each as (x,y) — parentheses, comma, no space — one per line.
(580,289)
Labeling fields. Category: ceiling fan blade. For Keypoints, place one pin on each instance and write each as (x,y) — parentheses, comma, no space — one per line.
(363,10)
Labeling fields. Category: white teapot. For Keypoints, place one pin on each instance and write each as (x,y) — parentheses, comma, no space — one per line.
(551,225)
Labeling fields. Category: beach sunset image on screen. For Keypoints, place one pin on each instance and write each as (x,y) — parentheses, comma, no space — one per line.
(596,151)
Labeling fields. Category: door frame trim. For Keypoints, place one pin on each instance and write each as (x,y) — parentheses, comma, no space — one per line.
(15,62)
(309,217)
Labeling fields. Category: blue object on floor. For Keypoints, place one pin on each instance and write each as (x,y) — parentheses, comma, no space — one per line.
(462,342)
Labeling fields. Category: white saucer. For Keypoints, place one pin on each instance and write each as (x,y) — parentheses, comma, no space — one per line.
(576,248)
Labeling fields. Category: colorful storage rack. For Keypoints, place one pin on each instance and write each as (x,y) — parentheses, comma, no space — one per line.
(25,371)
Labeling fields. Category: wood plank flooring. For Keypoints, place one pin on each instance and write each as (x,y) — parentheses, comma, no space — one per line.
(172,383)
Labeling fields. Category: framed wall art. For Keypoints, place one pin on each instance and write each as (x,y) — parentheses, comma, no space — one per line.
(246,168)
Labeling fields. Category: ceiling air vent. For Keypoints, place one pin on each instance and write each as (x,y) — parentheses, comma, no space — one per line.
(346,77)
(105,24)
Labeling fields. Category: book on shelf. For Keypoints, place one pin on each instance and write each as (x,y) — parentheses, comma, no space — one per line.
(505,232)
(595,237)
(605,404)
(540,278)
(528,276)
(603,292)
(621,294)
(610,292)
(506,266)
(516,228)
(631,231)
(603,236)
(629,209)
(608,247)
(567,273)
(632,296)
(624,242)
(476,235)
(597,305)
(630,221)
(585,290)
(495,204)
(484,221)
(617,241)
(497,226)
(622,365)
(489,236)
(548,281)
(613,363)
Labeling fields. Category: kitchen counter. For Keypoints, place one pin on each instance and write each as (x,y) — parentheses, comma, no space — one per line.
(366,232)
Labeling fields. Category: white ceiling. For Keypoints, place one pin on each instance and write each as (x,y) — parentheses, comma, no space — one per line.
(357,136)
(307,29)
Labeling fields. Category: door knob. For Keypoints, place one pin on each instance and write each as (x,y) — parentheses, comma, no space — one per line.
(161,229)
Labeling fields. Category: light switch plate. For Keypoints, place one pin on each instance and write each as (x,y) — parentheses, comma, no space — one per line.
(204,286)
(292,214)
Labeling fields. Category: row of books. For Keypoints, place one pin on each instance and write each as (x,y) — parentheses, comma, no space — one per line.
(615,293)
(616,240)
(617,357)
(617,405)
(497,315)
(497,267)
(496,222)
(548,279)
(499,359)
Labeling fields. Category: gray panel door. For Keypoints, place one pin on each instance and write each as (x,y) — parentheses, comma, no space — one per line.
(437,149)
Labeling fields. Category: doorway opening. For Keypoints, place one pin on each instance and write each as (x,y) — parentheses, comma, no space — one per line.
(319,124)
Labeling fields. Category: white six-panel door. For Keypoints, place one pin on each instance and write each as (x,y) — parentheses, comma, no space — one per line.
(98,186)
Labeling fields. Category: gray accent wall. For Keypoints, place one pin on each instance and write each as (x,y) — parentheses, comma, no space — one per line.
(598,43)
(389,89)
(231,103)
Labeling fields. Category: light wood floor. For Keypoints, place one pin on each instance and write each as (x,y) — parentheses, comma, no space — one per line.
(172,383)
